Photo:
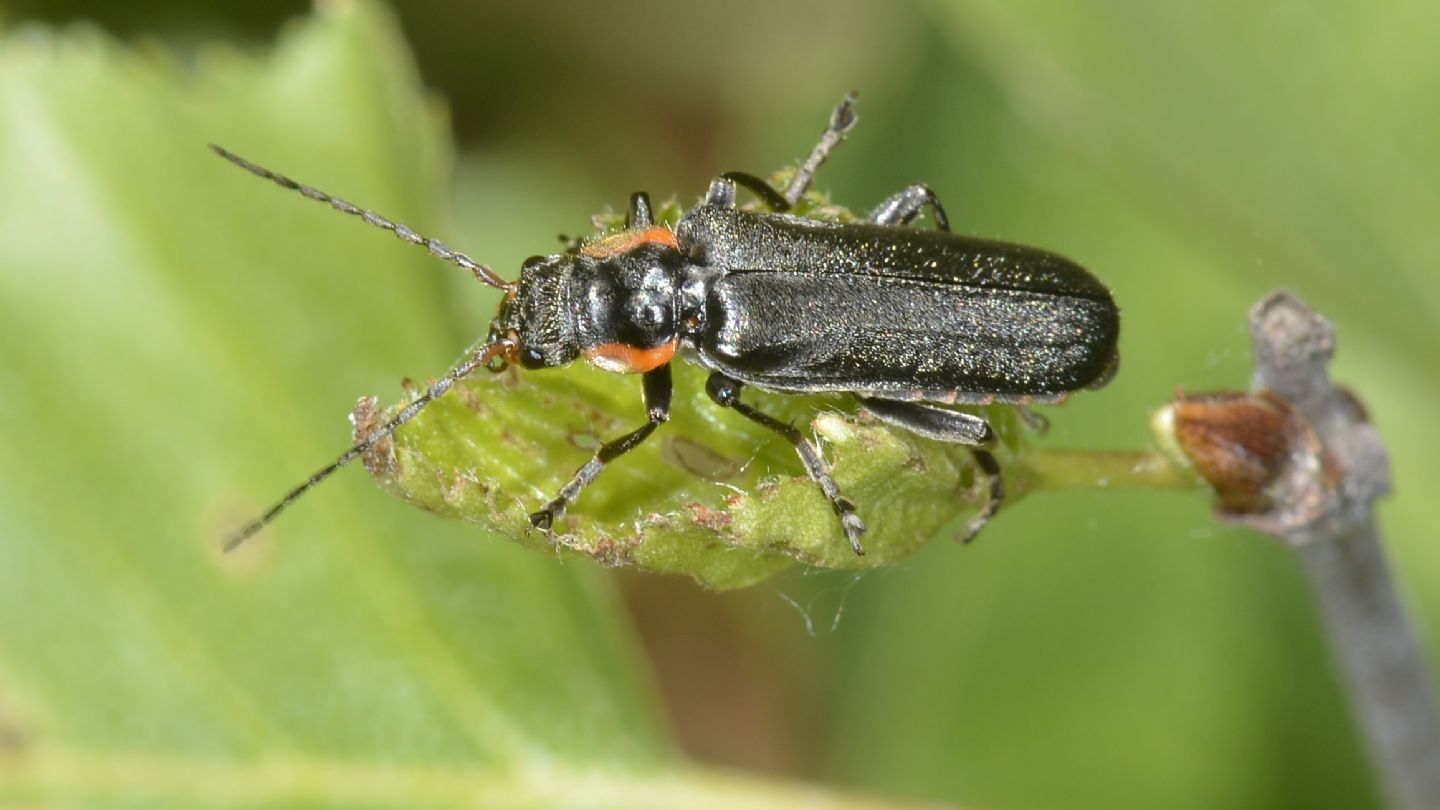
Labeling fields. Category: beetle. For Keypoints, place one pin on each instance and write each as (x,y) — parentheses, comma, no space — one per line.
(908,320)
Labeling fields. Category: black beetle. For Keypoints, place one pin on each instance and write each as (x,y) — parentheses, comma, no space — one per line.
(907,320)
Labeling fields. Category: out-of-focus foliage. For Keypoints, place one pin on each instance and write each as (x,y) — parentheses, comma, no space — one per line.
(162,375)
(161,325)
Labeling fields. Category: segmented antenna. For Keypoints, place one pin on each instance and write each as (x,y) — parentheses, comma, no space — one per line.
(436,390)
(436,248)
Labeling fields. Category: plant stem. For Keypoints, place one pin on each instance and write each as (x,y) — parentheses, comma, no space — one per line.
(1104,469)
(1384,670)
(1325,510)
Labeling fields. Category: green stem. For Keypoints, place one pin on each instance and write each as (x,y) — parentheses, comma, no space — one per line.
(1102,469)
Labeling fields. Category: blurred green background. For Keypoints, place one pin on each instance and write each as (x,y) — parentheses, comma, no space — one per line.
(178,343)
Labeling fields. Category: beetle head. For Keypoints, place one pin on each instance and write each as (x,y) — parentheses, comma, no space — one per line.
(534,320)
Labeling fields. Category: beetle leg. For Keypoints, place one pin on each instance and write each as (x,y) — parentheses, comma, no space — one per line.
(841,121)
(657,390)
(726,393)
(956,427)
(773,199)
(721,193)
(902,208)
(1035,421)
(639,214)
(988,465)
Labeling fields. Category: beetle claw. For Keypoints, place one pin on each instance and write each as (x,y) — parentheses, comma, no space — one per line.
(854,529)
(542,520)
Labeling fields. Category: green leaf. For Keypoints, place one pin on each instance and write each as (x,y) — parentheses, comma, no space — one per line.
(170,327)
(167,355)
(169,324)
(713,496)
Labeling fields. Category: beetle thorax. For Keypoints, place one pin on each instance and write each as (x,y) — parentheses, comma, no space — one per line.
(628,307)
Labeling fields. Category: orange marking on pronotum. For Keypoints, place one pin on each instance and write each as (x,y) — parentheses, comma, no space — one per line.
(629,240)
(629,359)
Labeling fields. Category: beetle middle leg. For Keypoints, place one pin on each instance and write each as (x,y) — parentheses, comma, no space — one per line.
(955,427)
(726,393)
(657,392)
(902,207)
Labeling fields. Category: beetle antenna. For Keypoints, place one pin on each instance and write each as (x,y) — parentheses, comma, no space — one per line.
(436,248)
(437,389)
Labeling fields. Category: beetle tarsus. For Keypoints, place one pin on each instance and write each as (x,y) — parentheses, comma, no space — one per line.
(902,207)
(985,463)
(953,427)
(545,518)
(657,389)
(1035,421)
(842,120)
(854,527)
(725,392)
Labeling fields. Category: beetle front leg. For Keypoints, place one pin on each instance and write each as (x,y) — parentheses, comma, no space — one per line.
(726,393)
(638,216)
(657,391)
(902,208)
(955,427)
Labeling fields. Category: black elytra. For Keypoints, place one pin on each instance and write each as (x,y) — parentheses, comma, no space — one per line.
(908,320)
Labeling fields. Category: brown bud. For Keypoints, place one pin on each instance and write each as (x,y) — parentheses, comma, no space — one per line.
(1238,442)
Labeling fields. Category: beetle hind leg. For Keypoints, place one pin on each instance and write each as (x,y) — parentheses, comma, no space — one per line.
(902,207)
(725,392)
(955,427)
(940,424)
(987,464)
(1035,421)
(842,120)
